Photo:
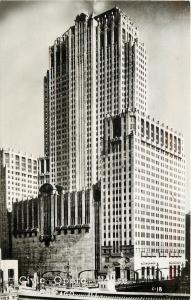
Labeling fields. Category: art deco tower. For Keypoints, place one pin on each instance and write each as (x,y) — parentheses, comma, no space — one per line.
(97,68)
(97,128)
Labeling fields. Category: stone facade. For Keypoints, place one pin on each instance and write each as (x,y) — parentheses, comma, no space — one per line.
(55,233)
(77,250)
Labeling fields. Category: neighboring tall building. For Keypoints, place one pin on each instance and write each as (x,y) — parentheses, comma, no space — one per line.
(98,67)
(20,175)
(18,180)
(143,196)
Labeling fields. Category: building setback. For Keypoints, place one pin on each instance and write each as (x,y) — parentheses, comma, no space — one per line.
(18,180)
(43,171)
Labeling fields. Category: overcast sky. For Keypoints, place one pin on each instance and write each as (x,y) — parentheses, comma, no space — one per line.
(28,28)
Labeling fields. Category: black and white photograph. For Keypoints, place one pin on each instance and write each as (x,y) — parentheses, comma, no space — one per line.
(95,143)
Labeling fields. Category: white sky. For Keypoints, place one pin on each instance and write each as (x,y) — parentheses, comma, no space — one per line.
(27,29)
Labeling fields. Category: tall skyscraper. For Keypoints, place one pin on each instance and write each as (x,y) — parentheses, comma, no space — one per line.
(97,128)
(98,67)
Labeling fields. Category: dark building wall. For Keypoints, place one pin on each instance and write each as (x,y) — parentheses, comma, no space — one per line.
(4,232)
(76,249)
(187,237)
(97,226)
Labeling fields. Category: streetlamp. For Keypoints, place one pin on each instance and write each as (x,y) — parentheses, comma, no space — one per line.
(157,272)
(67,268)
(26,264)
(38,277)
(38,280)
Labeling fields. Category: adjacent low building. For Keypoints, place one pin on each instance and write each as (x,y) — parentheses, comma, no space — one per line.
(8,273)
